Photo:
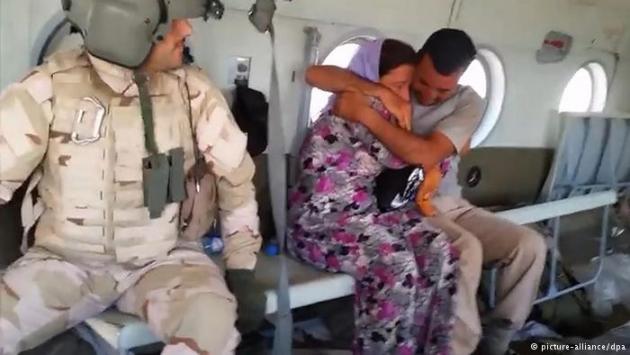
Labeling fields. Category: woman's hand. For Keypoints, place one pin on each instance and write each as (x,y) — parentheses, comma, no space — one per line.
(351,106)
(427,190)
(400,108)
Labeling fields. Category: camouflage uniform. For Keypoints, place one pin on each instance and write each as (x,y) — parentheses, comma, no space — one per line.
(95,244)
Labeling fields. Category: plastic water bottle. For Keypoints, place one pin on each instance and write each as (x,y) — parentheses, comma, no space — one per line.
(272,248)
(213,244)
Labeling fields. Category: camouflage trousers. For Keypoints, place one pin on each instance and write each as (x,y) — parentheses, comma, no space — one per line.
(183,298)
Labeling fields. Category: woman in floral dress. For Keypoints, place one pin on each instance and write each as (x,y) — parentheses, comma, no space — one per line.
(405,269)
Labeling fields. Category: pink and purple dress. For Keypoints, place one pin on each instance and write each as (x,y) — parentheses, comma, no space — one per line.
(405,269)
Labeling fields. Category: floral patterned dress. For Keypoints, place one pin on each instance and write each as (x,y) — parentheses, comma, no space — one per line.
(405,269)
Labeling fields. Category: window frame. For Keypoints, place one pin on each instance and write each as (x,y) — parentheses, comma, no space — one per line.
(353,36)
(600,81)
(496,83)
(599,87)
(496,89)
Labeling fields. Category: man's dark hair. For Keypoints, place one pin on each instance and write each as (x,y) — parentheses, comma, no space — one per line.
(450,50)
(395,53)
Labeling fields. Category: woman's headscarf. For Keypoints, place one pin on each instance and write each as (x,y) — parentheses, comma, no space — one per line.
(365,63)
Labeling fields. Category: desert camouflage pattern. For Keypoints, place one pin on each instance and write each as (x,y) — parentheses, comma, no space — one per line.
(95,244)
(182,297)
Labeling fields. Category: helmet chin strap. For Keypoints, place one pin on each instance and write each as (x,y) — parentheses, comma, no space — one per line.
(188,57)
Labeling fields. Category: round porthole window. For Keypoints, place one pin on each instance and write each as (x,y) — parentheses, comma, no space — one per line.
(487,77)
(586,91)
(339,56)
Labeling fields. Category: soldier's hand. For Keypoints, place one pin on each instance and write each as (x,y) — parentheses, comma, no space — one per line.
(251,299)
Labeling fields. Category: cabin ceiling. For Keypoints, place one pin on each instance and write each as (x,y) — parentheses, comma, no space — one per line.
(610,4)
(594,24)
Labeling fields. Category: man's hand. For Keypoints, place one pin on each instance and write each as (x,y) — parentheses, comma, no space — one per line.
(427,190)
(466,148)
(251,299)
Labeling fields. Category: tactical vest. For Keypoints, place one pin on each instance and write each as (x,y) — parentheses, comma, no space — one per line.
(93,192)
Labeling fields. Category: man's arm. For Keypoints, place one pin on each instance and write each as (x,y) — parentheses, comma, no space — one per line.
(413,149)
(25,115)
(427,151)
(452,134)
(238,212)
(224,148)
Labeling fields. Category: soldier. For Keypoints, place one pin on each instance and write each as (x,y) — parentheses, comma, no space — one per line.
(107,133)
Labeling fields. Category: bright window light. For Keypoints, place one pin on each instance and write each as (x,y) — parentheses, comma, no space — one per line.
(578,94)
(586,91)
(340,57)
(486,76)
(475,77)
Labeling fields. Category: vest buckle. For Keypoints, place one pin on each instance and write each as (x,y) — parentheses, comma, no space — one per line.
(80,122)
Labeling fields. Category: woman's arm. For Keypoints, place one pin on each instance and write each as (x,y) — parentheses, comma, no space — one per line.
(338,80)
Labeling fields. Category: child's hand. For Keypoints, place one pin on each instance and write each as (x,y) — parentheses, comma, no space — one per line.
(429,187)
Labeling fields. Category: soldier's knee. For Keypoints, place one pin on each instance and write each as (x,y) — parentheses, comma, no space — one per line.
(207,324)
(221,309)
(9,322)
